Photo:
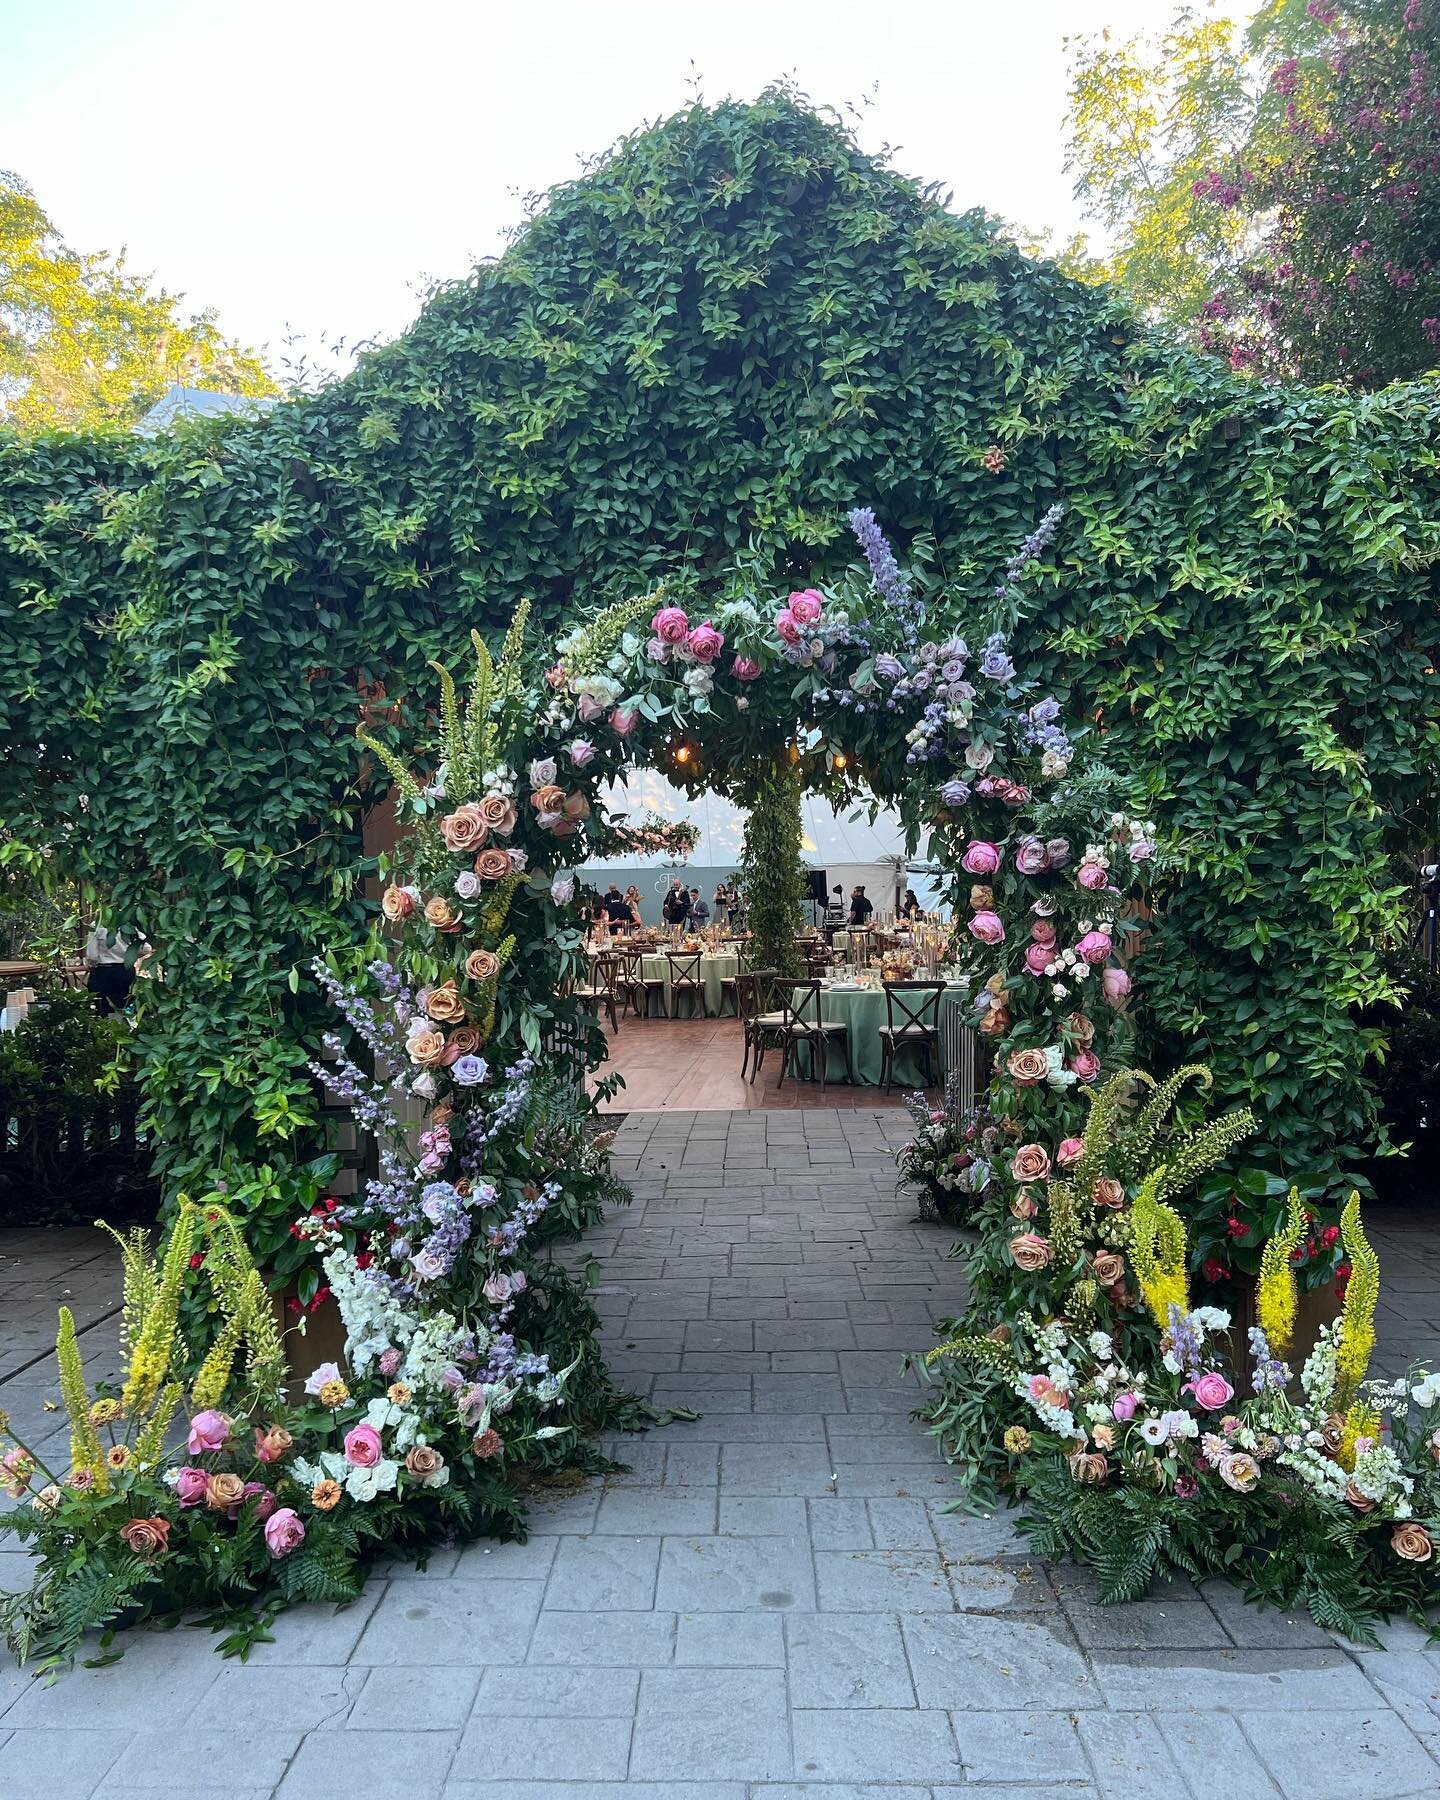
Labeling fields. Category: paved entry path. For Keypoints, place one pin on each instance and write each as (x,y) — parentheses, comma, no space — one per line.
(771,1604)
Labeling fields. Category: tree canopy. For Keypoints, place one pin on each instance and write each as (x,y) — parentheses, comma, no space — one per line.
(84,342)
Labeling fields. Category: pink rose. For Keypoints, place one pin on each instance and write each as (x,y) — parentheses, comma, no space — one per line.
(1043,932)
(980,858)
(208,1431)
(190,1486)
(1141,851)
(1092,876)
(1084,1065)
(284,1532)
(1211,1391)
(265,1501)
(1069,1153)
(745,668)
(1031,856)
(1094,947)
(1039,957)
(556,676)
(362,1446)
(670,625)
(987,926)
(705,643)
(1123,1407)
(787,626)
(1058,850)
(806,606)
(589,708)
(622,721)
(1115,984)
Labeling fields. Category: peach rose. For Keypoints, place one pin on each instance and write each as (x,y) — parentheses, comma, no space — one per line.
(1109,1267)
(482,965)
(147,1537)
(1104,1436)
(499,813)
(271,1445)
(426,1048)
(444,1003)
(224,1491)
(1030,1251)
(397,903)
(982,897)
(994,1023)
(1024,1205)
(464,1040)
(440,914)
(1108,1192)
(465,828)
(1081,1029)
(1412,1542)
(1028,1068)
(1362,1503)
(1089,1469)
(424,1463)
(1031,1163)
(492,865)
(548,799)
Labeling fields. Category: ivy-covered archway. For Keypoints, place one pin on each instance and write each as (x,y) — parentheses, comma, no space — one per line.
(731,332)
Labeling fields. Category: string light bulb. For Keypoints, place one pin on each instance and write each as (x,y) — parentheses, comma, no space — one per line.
(839,759)
(682,753)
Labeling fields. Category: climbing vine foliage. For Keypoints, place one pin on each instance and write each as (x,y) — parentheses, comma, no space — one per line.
(696,360)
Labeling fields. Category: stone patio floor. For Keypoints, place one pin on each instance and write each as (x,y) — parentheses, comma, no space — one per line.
(772,1604)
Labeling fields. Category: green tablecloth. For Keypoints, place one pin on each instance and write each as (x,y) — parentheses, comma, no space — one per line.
(862,1011)
(713,970)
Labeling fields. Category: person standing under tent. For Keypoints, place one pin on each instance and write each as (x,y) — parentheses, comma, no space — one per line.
(677,904)
(910,907)
(699,910)
(632,900)
(110,977)
(861,906)
(721,904)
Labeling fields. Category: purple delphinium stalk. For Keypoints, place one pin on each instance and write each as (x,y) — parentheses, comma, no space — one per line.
(1186,1343)
(1269,1371)
(891,583)
(1029,549)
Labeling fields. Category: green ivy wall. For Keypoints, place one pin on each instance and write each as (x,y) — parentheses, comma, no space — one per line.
(730,332)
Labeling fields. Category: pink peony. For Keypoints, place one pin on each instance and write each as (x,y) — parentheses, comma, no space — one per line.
(670,625)
(745,668)
(1115,984)
(1038,958)
(622,721)
(705,643)
(1084,1065)
(1092,876)
(806,605)
(980,858)
(1123,1407)
(208,1431)
(362,1446)
(190,1486)
(284,1531)
(1093,948)
(1069,1153)
(787,626)
(1211,1391)
(987,926)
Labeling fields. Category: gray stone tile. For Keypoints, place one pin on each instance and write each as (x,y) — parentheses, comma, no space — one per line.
(734,1574)
(395,1765)
(417,1623)
(320,1636)
(604,1640)
(875,1746)
(597,1750)
(171,1758)
(552,1693)
(900,1525)
(709,1725)
(965,1538)
(1130,1758)
(591,1790)
(485,1560)
(973,1663)
(882,1581)
(436,1697)
(1215,1757)
(845,1790)
(603,1574)
(1011,1747)
(847,1660)
(180,1664)
(775,1469)
(634,1512)
(840,1525)
(755,1515)
(1153,1624)
(1363,1755)
(61,1765)
(246,1697)
(1305,1681)
(731,1640)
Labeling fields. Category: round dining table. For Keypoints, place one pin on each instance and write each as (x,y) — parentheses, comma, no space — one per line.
(862,1012)
(716,968)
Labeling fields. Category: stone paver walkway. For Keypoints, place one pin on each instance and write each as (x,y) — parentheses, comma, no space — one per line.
(771,1604)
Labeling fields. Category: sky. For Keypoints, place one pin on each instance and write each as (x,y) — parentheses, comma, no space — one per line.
(305,167)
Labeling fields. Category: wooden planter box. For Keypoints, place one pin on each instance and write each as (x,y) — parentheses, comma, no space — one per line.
(1320,1306)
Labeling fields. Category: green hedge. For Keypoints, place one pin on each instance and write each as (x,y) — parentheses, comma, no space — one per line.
(730,332)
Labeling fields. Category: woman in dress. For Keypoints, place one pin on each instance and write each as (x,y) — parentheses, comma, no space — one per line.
(632,900)
(721,904)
